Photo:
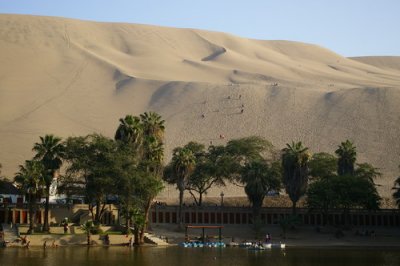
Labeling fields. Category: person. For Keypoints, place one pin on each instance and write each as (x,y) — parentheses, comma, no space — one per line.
(267,237)
(106,239)
(45,244)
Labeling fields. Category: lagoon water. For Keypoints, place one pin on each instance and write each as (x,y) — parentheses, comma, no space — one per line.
(177,256)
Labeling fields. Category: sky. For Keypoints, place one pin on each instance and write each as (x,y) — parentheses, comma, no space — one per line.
(348,27)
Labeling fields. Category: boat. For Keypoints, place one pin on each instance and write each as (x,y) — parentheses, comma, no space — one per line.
(256,247)
(267,245)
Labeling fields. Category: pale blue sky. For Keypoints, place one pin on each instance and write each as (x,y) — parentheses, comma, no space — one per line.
(348,27)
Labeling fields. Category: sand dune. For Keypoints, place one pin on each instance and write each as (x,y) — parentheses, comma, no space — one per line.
(71,77)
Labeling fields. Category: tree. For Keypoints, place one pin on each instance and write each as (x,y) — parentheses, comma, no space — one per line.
(87,227)
(295,171)
(94,164)
(367,172)
(144,135)
(152,161)
(178,172)
(259,178)
(347,157)
(50,152)
(206,173)
(322,165)
(343,192)
(29,180)
(396,193)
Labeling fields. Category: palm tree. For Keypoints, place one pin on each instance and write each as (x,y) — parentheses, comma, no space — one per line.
(259,178)
(50,152)
(130,130)
(396,194)
(145,135)
(295,171)
(87,227)
(153,125)
(29,180)
(153,157)
(347,157)
(181,167)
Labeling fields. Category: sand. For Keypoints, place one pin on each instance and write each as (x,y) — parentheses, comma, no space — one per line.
(70,77)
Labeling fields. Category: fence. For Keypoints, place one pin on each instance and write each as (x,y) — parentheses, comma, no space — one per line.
(270,216)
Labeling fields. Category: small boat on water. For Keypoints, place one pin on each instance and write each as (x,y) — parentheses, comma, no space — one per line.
(267,245)
(199,244)
(256,247)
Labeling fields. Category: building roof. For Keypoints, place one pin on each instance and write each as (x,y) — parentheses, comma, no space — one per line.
(8,188)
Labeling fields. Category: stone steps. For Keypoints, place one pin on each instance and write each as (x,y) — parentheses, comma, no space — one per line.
(10,233)
(150,238)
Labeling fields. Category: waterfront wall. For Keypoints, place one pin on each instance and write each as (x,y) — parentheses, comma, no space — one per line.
(208,215)
(271,216)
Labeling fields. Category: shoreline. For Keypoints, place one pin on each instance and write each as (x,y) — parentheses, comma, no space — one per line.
(301,237)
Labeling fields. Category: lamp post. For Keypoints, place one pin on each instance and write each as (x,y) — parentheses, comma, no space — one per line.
(222,198)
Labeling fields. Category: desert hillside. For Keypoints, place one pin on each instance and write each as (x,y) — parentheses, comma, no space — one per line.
(71,77)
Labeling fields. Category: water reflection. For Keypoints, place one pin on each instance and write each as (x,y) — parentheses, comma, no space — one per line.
(176,256)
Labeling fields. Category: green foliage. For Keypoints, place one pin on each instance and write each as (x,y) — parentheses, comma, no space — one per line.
(140,180)
(50,151)
(343,192)
(248,149)
(94,165)
(396,193)
(29,180)
(259,178)
(295,160)
(322,165)
(87,227)
(347,157)
(367,171)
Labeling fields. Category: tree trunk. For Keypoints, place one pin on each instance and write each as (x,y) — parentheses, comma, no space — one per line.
(294,207)
(30,230)
(180,209)
(46,210)
(97,216)
(88,238)
(127,222)
(147,208)
(137,236)
(200,199)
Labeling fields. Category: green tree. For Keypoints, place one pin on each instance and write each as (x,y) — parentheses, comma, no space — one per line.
(144,136)
(396,193)
(367,172)
(259,178)
(322,165)
(29,180)
(87,227)
(92,169)
(178,172)
(343,192)
(295,160)
(347,157)
(50,152)
(152,162)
